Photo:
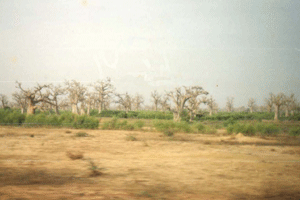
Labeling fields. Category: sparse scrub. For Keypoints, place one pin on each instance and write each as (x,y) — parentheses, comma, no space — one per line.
(138,124)
(81,134)
(74,156)
(131,138)
(253,129)
(294,131)
(116,124)
(199,127)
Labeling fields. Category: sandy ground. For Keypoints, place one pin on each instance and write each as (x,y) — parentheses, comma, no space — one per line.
(36,163)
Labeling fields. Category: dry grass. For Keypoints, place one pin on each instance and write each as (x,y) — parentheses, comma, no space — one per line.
(51,165)
(74,155)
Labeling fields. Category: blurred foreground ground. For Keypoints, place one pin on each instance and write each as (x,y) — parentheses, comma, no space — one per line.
(35,163)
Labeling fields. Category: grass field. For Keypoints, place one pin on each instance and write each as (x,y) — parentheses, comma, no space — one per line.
(40,163)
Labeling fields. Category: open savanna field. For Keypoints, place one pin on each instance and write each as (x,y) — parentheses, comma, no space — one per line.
(65,163)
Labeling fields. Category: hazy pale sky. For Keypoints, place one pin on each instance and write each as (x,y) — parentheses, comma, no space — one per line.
(232,48)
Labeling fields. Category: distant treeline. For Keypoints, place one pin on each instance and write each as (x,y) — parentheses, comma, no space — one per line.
(67,119)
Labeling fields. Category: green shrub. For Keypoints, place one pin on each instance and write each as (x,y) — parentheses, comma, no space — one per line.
(230,129)
(184,127)
(267,129)
(115,124)
(199,127)
(138,124)
(84,121)
(249,129)
(294,131)
(229,121)
(210,130)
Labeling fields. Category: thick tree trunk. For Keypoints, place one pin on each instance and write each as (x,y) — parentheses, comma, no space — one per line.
(286,112)
(22,110)
(30,110)
(155,107)
(56,108)
(251,110)
(176,116)
(88,110)
(210,112)
(191,116)
(276,112)
(31,107)
(74,109)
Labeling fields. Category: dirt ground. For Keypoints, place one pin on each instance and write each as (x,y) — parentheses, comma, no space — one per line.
(40,163)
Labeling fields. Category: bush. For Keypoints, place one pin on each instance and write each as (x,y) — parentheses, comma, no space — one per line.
(84,121)
(199,127)
(138,124)
(294,131)
(81,134)
(35,120)
(267,129)
(229,121)
(115,124)
(246,129)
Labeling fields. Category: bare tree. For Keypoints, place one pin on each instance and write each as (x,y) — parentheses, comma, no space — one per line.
(4,100)
(229,104)
(251,104)
(20,99)
(164,102)
(180,97)
(90,98)
(53,93)
(156,99)
(277,100)
(76,92)
(104,89)
(212,105)
(193,105)
(269,104)
(137,101)
(124,100)
(293,104)
(34,96)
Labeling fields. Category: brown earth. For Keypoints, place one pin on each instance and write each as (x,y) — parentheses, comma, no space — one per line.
(38,163)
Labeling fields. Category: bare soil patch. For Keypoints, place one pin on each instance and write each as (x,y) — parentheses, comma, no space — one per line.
(56,164)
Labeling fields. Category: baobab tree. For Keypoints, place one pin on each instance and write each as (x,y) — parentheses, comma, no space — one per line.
(164,102)
(89,99)
(103,89)
(34,96)
(156,99)
(193,105)
(269,104)
(229,104)
(3,100)
(124,100)
(180,96)
(20,100)
(251,104)
(277,100)
(212,105)
(289,106)
(138,100)
(53,93)
(76,92)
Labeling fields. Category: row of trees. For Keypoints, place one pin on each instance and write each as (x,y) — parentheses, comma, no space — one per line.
(272,104)
(79,98)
